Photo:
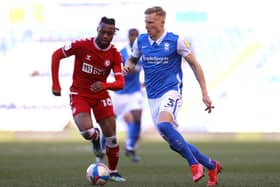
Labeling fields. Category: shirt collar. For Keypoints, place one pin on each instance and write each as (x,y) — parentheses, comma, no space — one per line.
(97,47)
(159,40)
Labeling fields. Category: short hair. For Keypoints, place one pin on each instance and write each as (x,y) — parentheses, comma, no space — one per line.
(109,21)
(130,31)
(157,10)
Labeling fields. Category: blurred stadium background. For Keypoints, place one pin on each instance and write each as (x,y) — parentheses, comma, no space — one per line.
(237,43)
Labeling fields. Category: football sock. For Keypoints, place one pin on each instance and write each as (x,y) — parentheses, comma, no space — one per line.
(133,135)
(103,143)
(176,141)
(113,157)
(90,134)
(203,159)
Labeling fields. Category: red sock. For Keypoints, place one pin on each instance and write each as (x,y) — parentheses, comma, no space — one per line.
(113,157)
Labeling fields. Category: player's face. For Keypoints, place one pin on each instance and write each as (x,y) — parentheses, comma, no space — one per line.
(132,36)
(105,35)
(154,25)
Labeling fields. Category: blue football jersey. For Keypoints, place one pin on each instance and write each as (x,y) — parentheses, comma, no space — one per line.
(132,81)
(161,61)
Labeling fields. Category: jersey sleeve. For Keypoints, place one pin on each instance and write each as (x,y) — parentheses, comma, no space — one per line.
(56,57)
(124,55)
(135,49)
(69,49)
(183,47)
(63,52)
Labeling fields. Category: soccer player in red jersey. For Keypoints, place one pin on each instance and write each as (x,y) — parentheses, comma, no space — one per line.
(94,59)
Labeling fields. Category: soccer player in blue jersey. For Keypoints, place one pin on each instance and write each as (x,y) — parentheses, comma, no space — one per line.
(128,102)
(161,53)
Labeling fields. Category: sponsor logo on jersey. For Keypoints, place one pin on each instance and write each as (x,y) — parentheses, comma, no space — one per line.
(88,68)
(155,59)
(187,44)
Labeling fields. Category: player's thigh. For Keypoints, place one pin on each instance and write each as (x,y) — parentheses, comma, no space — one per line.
(104,114)
(134,105)
(119,103)
(135,101)
(170,104)
(165,108)
(154,109)
(81,112)
(124,103)
(83,121)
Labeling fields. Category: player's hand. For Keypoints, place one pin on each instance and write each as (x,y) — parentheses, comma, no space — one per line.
(97,86)
(56,92)
(128,68)
(209,109)
(207,101)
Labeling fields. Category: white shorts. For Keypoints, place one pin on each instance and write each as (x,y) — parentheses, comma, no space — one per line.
(170,102)
(123,103)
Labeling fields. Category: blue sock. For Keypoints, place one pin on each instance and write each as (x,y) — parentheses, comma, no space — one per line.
(136,134)
(176,141)
(103,143)
(203,159)
(133,133)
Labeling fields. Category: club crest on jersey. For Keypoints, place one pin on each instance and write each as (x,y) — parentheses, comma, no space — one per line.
(107,63)
(166,46)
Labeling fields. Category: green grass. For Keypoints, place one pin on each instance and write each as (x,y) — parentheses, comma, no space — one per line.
(63,164)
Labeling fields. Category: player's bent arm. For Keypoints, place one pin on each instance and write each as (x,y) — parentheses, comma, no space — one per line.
(130,64)
(56,57)
(116,85)
(119,82)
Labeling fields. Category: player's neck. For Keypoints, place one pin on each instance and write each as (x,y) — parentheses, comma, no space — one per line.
(158,35)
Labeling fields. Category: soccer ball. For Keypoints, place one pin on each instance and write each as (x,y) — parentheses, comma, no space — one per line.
(97,174)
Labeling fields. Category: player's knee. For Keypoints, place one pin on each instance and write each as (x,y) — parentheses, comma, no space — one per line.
(173,148)
(87,134)
(111,141)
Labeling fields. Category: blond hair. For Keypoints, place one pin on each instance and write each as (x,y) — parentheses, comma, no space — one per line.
(157,10)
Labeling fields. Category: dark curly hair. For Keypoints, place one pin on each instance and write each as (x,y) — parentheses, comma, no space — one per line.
(109,21)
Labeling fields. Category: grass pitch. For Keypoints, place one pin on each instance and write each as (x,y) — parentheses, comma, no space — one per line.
(63,164)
